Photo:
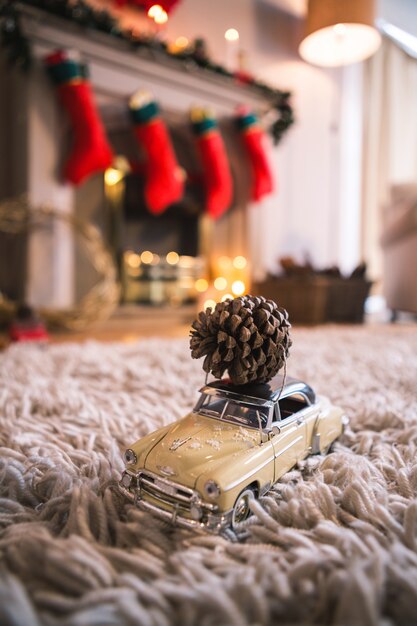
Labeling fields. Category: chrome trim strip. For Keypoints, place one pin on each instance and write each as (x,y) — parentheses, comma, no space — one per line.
(215,523)
(212,391)
(130,472)
(178,442)
(157,492)
(175,502)
(152,487)
(295,418)
(169,483)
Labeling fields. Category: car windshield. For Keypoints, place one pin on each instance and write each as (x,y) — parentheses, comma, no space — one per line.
(229,410)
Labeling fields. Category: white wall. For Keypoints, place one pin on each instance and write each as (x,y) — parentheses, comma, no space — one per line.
(308,215)
(50,259)
(401,13)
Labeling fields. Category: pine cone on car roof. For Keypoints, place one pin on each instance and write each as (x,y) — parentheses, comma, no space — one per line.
(247,336)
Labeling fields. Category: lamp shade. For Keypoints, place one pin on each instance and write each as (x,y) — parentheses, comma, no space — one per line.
(339,32)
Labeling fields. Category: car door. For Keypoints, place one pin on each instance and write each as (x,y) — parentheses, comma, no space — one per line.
(311,416)
(297,404)
(290,434)
(288,444)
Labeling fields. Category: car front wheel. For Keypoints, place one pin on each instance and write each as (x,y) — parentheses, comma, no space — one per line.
(241,510)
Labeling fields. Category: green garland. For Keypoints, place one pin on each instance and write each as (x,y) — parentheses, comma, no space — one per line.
(82,14)
(12,38)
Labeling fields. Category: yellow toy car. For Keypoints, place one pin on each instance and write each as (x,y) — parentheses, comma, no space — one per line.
(202,471)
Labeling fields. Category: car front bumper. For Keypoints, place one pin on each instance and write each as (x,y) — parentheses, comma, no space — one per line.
(168,509)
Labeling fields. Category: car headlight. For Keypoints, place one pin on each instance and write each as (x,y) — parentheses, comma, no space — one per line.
(211,489)
(130,457)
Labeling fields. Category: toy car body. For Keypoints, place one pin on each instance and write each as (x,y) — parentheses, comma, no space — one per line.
(202,471)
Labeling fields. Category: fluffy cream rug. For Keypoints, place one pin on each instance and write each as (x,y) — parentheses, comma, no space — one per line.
(335,542)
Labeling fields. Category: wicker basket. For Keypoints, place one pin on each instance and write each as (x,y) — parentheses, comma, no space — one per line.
(311,299)
(346,298)
(305,298)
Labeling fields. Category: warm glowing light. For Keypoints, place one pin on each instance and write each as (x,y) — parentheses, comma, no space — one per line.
(187,262)
(209,303)
(155,10)
(220,283)
(121,163)
(339,33)
(146,257)
(134,271)
(340,30)
(340,44)
(132,259)
(161,18)
(172,258)
(112,176)
(155,259)
(227,296)
(201,285)
(231,34)
(238,287)
(224,262)
(239,262)
(186,282)
(181,42)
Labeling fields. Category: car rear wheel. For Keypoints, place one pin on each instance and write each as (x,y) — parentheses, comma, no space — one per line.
(241,510)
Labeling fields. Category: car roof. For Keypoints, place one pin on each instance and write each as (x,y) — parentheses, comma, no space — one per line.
(263,393)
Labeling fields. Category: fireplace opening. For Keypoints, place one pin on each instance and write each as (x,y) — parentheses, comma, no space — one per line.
(173,258)
(160,258)
(177,228)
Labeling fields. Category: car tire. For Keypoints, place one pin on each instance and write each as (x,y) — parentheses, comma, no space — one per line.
(241,509)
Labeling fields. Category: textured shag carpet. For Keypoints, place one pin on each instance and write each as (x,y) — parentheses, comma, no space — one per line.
(335,542)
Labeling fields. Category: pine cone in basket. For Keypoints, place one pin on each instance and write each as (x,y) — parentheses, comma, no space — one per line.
(248,337)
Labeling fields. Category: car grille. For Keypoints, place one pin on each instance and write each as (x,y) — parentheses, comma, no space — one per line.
(165,490)
(165,493)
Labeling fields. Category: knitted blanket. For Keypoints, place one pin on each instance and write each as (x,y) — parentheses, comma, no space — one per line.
(334,542)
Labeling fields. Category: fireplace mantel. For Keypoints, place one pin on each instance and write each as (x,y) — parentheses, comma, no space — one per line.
(116,71)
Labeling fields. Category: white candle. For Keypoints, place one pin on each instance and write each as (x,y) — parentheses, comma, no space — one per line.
(232,49)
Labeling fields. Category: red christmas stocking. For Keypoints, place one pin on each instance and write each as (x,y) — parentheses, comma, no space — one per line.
(164,178)
(217,176)
(90,152)
(253,138)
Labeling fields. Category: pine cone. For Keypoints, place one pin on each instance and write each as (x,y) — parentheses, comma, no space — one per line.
(248,337)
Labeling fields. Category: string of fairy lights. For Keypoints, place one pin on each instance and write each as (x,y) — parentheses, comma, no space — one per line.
(227,277)
(175,278)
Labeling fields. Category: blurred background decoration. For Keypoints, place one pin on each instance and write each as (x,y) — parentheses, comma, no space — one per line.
(339,33)
(18,218)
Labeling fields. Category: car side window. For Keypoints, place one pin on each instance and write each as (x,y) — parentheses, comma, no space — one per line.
(292,404)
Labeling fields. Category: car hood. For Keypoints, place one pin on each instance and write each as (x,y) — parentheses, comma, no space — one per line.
(196,445)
